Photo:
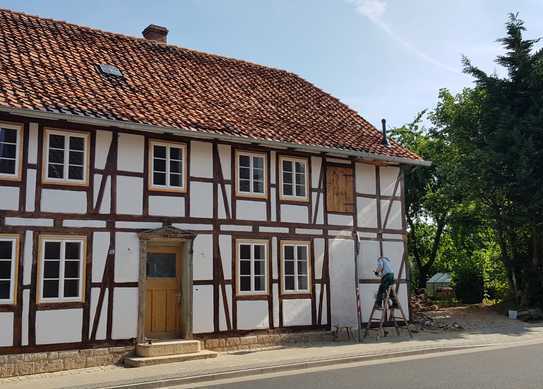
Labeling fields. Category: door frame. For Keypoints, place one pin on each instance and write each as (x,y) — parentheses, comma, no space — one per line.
(168,236)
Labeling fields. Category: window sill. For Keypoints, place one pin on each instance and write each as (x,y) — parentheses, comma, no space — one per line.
(252,296)
(47,306)
(295,295)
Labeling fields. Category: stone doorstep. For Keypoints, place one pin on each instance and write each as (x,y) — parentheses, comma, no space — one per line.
(170,347)
(149,361)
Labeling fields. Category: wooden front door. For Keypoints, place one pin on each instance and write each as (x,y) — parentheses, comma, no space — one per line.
(163,293)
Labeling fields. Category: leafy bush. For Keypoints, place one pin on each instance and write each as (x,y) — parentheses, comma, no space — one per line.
(469,285)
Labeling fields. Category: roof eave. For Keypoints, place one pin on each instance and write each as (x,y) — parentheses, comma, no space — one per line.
(196,133)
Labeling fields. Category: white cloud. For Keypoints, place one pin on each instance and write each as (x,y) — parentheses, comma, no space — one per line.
(374,10)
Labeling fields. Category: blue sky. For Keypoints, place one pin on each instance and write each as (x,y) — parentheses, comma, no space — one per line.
(384,58)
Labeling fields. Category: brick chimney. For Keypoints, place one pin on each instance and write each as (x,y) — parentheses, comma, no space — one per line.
(155,33)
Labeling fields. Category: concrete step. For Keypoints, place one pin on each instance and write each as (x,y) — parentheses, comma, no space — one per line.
(169,347)
(149,361)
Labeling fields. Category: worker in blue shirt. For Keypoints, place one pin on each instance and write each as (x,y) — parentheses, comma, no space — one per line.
(385,271)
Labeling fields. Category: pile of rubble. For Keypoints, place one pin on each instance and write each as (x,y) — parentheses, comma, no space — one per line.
(420,321)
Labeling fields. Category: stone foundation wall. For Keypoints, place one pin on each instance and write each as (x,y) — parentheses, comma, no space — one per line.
(48,362)
(249,342)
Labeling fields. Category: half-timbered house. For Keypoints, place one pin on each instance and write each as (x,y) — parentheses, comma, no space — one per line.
(151,191)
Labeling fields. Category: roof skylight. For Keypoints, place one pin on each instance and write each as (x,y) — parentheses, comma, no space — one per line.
(110,70)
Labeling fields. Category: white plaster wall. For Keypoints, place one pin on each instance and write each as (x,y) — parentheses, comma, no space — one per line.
(103,142)
(30,189)
(6,324)
(225,155)
(395,217)
(100,246)
(294,213)
(368,293)
(296,312)
(222,211)
(342,289)
(126,257)
(388,175)
(201,159)
(201,199)
(316,163)
(275,295)
(367,212)
(125,313)
(318,248)
(225,246)
(139,225)
(253,314)
(49,331)
(10,198)
(101,330)
(24,321)
(273,259)
(394,251)
(131,152)
(28,221)
(129,195)
(63,201)
(341,220)
(84,223)
(105,207)
(222,316)
(202,307)
(33,143)
(367,259)
(273,204)
(365,178)
(27,258)
(203,257)
(251,210)
(166,206)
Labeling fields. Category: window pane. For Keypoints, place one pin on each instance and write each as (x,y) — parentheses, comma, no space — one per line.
(244,173)
(287,189)
(75,172)
(6,248)
(175,166)
(7,166)
(77,143)
(161,265)
(260,283)
(258,174)
(56,156)
(76,157)
(289,282)
(8,135)
(5,270)
(51,269)
(259,251)
(287,178)
(159,178)
(55,171)
(245,267)
(244,186)
(300,167)
(244,161)
(159,151)
(4,289)
(175,180)
(175,153)
(52,250)
(260,268)
(245,251)
(71,269)
(8,151)
(300,179)
(258,187)
(302,252)
(300,190)
(302,282)
(56,141)
(159,165)
(71,288)
(302,268)
(289,252)
(289,267)
(287,166)
(73,250)
(245,284)
(258,163)
(50,288)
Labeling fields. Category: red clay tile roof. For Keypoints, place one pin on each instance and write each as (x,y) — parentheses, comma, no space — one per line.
(51,66)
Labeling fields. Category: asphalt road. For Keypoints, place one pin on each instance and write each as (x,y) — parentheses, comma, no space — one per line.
(516,367)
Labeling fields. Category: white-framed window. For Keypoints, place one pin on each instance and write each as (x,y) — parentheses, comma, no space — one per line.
(11,136)
(167,166)
(251,174)
(293,178)
(252,263)
(61,269)
(66,157)
(295,266)
(9,255)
